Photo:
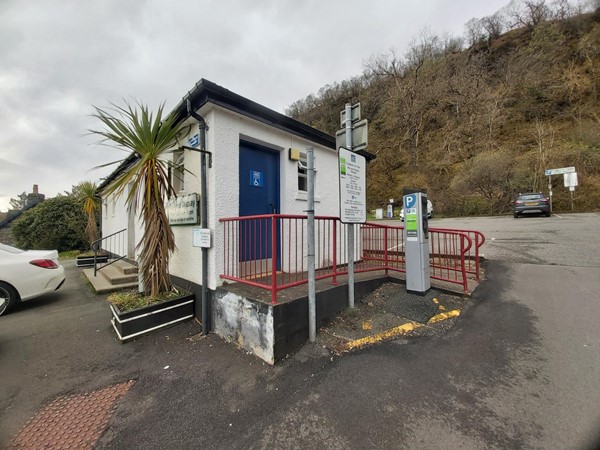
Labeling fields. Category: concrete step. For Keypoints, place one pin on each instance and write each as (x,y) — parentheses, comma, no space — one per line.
(126,267)
(102,286)
(114,275)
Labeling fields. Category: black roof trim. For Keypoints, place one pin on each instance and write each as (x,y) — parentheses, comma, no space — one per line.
(206,91)
(131,159)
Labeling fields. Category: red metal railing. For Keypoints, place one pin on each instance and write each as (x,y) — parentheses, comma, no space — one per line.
(250,241)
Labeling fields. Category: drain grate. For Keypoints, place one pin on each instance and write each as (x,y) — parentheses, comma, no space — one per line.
(71,422)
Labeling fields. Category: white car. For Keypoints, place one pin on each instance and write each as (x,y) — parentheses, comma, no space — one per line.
(26,274)
(429,211)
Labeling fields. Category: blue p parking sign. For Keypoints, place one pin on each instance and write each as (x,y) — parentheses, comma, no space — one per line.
(410,201)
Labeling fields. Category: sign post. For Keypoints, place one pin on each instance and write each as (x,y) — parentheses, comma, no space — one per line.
(570,180)
(352,176)
(560,171)
(310,229)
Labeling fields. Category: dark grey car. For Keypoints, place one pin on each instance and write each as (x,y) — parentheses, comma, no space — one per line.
(533,202)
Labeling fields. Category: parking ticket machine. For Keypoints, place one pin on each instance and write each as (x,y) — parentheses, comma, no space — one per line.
(416,241)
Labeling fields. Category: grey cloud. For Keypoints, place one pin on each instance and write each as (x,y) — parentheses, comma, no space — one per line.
(57,59)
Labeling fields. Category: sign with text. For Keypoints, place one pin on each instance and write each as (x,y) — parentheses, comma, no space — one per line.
(201,237)
(570,179)
(352,169)
(560,171)
(183,210)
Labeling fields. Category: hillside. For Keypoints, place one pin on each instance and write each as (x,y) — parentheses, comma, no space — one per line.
(476,126)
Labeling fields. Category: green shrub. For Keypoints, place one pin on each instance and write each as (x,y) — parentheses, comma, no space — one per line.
(57,223)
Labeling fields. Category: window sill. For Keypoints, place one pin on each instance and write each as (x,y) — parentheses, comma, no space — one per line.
(303,197)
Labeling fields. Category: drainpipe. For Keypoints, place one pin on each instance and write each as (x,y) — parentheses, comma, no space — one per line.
(203,213)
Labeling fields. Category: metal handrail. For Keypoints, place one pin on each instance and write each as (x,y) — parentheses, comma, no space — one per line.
(252,252)
(97,245)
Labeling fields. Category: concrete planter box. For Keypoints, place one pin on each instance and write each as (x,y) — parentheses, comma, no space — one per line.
(139,322)
(88,261)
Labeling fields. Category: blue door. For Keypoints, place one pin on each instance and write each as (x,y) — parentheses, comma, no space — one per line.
(259,194)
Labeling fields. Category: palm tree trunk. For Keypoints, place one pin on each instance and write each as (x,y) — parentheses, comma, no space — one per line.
(158,243)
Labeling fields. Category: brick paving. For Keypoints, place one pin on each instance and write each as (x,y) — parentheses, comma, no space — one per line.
(72,421)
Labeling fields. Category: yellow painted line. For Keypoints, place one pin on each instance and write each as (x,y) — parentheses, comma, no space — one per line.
(376,338)
(400,330)
(444,316)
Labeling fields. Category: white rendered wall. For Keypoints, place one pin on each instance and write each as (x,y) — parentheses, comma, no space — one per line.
(225,131)
(115,217)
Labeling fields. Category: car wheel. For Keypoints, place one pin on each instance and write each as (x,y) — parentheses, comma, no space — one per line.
(8,297)
(515,215)
(547,214)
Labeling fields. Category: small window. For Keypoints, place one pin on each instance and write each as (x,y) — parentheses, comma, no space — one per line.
(303,174)
(178,171)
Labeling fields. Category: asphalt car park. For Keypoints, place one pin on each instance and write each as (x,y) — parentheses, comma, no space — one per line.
(517,370)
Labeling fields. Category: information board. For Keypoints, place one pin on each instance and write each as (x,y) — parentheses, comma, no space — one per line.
(183,210)
(352,169)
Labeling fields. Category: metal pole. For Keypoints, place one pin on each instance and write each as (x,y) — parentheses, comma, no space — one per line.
(550,190)
(204,224)
(203,209)
(310,226)
(570,189)
(350,226)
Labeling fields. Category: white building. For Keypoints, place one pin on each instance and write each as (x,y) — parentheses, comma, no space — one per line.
(254,169)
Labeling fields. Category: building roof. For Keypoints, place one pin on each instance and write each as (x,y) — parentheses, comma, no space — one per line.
(206,91)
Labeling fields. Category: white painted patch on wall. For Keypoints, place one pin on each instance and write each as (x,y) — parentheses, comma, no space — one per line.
(248,324)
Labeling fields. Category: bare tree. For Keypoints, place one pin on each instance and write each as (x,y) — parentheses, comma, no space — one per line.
(487,174)
(561,9)
(544,136)
(528,13)
(426,46)
(493,26)
(451,44)
(386,65)
(474,31)
(593,5)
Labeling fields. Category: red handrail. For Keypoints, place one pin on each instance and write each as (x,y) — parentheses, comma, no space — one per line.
(247,259)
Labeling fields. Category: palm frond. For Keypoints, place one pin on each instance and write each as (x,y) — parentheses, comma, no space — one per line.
(150,136)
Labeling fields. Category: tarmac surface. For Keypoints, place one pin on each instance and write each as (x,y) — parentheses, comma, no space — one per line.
(518,368)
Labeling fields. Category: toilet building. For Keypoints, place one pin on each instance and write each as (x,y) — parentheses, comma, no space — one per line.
(255,165)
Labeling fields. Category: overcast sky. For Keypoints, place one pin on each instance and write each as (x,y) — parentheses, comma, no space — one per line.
(60,57)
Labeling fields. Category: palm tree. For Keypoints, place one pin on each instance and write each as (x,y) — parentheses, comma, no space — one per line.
(149,137)
(86,191)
